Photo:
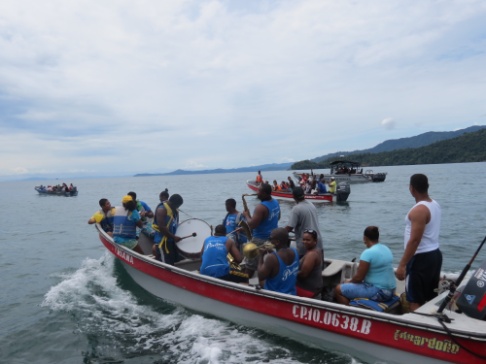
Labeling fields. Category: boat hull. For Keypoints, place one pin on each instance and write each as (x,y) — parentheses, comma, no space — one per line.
(45,192)
(319,198)
(366,334)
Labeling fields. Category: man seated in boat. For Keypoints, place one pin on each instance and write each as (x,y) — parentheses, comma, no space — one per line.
(145,214)
(309,278)
(375,278)
(278,269)
(126,219)
(321,185)
(215,261)
(276,186)
(104,217)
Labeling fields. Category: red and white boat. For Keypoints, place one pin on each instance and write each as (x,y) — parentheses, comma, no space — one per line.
(342,193)
(420,337)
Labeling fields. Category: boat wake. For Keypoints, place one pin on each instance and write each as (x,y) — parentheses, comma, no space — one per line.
(120,326)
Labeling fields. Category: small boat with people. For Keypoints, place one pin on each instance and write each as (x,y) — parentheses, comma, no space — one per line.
(342,193)
(57,190)
(438,332)
(352,172)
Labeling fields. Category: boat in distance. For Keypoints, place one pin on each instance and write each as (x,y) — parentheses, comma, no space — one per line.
(348,171)
(419,337)
(342,193)
(54,191)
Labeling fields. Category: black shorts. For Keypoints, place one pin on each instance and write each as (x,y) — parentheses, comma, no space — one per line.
(423,275)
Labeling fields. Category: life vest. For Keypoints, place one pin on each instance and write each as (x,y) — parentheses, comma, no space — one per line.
(170,223)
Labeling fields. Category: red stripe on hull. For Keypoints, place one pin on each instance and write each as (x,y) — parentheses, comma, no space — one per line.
(362,326)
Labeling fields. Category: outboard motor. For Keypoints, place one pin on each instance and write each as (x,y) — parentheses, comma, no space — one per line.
(472,300)
(343,190)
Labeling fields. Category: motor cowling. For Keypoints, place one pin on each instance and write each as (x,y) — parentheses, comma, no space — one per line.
(472,300)
(343,189)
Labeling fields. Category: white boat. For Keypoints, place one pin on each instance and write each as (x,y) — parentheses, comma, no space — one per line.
(424,336)
(348,171)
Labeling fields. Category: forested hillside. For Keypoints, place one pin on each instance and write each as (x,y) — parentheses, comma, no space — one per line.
(469,147)
(417,141)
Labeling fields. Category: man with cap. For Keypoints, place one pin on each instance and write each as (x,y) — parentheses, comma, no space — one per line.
(303,216)
(166,221)
(126,219)
(279,269)
(332,185)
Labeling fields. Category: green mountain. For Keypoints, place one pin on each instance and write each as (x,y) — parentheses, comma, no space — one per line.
(402,151)
(417,141)
(468,147)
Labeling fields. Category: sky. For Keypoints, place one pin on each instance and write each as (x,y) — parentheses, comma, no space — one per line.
(122,87)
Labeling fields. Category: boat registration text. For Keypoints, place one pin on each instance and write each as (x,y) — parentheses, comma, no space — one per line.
(332,319)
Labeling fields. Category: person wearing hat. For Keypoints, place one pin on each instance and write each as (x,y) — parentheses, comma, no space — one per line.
(166,221)
(303,216)
(332,185)
(126,219)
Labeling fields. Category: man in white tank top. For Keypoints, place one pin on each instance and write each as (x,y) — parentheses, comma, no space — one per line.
(422,260)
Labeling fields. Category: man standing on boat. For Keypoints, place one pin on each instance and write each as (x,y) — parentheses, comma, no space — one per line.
(303,216)
(165,224)
(265,219)
(259,178)
(332,185)
(422,260)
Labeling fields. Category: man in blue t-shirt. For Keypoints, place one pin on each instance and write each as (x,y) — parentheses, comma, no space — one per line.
(231,221)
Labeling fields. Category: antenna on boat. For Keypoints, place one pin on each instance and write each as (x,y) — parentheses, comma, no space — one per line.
(454,285)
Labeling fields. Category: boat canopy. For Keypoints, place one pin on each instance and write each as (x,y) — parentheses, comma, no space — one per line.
(342,161)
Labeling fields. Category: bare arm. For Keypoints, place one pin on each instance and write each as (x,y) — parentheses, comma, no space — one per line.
(419,218)
(260,213)
(161,215)
(309,261)
(267,267)
(360,275)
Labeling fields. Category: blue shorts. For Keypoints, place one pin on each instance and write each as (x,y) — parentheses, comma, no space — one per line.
(366,290)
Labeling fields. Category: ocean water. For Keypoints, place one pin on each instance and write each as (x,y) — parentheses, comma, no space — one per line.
(65,300)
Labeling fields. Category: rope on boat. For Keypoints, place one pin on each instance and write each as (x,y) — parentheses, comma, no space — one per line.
(442,319)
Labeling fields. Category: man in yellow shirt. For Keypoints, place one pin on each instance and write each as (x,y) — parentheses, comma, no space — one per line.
(332,185)
(104,217)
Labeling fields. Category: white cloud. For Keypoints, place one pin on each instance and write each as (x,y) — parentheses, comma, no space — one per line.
(208,84)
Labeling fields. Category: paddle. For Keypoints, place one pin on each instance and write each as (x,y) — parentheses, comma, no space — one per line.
(452,289)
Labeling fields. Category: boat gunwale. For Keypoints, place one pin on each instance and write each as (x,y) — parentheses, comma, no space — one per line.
(399,320)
